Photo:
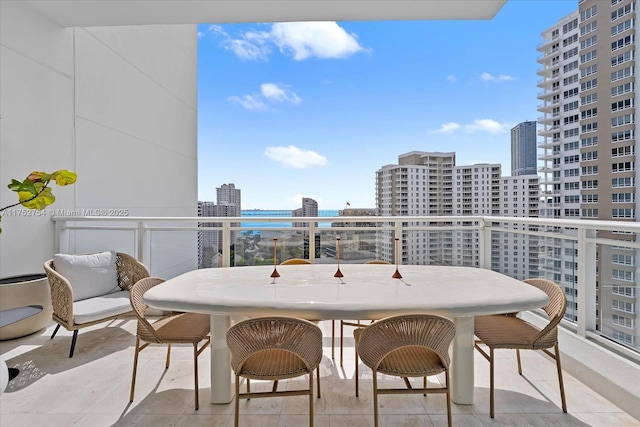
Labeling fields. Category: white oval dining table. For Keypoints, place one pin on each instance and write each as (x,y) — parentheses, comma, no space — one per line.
(367,291)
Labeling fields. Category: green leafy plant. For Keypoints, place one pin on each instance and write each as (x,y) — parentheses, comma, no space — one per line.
(34,191)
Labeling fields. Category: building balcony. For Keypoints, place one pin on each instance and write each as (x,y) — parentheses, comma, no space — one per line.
(113,100)
(93,385)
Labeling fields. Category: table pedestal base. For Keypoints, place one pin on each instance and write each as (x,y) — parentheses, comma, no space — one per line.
(462,383)
(221,375)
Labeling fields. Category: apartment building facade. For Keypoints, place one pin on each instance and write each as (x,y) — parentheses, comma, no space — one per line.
(588,130)
(517,255)
(430,184)
(228,204)
(309,208)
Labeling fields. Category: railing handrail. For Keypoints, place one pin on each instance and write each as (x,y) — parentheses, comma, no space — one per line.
(563,222)
(581,234)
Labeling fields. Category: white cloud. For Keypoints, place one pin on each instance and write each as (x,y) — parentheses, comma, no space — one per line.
(279,93)
(486,125)
(294,157)
(270,93)
(447,127)
(500,78)
(314,39)
(249,102)
(302,40)
(246,50)
(478,125)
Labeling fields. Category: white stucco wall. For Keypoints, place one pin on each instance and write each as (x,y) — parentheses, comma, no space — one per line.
(116,104)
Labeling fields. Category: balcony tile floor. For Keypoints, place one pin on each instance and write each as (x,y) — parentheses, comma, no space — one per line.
(92,389)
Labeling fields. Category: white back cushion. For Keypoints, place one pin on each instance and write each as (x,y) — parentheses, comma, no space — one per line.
(90,275)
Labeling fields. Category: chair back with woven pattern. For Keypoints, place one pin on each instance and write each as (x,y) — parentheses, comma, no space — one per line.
(555,309)
(296,336)
(130,270)
(392,333)
(145,331)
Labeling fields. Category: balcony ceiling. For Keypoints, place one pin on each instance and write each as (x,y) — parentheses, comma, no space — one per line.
(86,13)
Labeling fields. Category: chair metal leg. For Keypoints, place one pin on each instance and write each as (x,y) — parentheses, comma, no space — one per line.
(73,343)
(491,379)
(311,398)
(135,369)
(448,397)
(195,373)
(375,398)
(519,363)
(237,402)
(55,331)
(318,375)
(166,365)
(560,380)
(357,374)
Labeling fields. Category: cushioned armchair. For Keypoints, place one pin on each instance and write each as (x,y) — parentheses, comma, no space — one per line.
(91,289)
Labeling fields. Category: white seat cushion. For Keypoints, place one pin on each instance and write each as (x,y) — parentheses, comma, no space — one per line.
(89,275)
(97,308)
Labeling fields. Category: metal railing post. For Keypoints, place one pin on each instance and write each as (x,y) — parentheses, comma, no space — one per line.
(398,235)
(312,241)
(226,244)
(143,250)
(57,230)
(484,237)
(586,281)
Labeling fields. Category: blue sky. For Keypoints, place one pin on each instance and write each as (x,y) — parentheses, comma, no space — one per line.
(292,110)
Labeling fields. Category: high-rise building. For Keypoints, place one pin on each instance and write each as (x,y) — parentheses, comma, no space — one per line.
(229,195)
(515,251)
(560,146)
(421,184)
(228,204)
(424,185)
(588,129)
(309,209)
(524,149)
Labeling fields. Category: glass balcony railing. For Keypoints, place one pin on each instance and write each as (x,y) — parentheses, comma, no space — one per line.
(594,262)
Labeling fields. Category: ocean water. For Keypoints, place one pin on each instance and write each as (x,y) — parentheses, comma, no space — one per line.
(279,213)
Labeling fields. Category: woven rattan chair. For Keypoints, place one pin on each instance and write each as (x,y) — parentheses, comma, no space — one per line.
(406,346)
(174,328)
(510,332)
(272,349)
(130,271)
(294,261)
(357,323)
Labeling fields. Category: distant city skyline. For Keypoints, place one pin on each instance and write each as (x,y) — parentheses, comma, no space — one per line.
(314,109)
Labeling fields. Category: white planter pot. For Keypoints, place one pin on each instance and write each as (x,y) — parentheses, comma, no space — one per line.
(22,291)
